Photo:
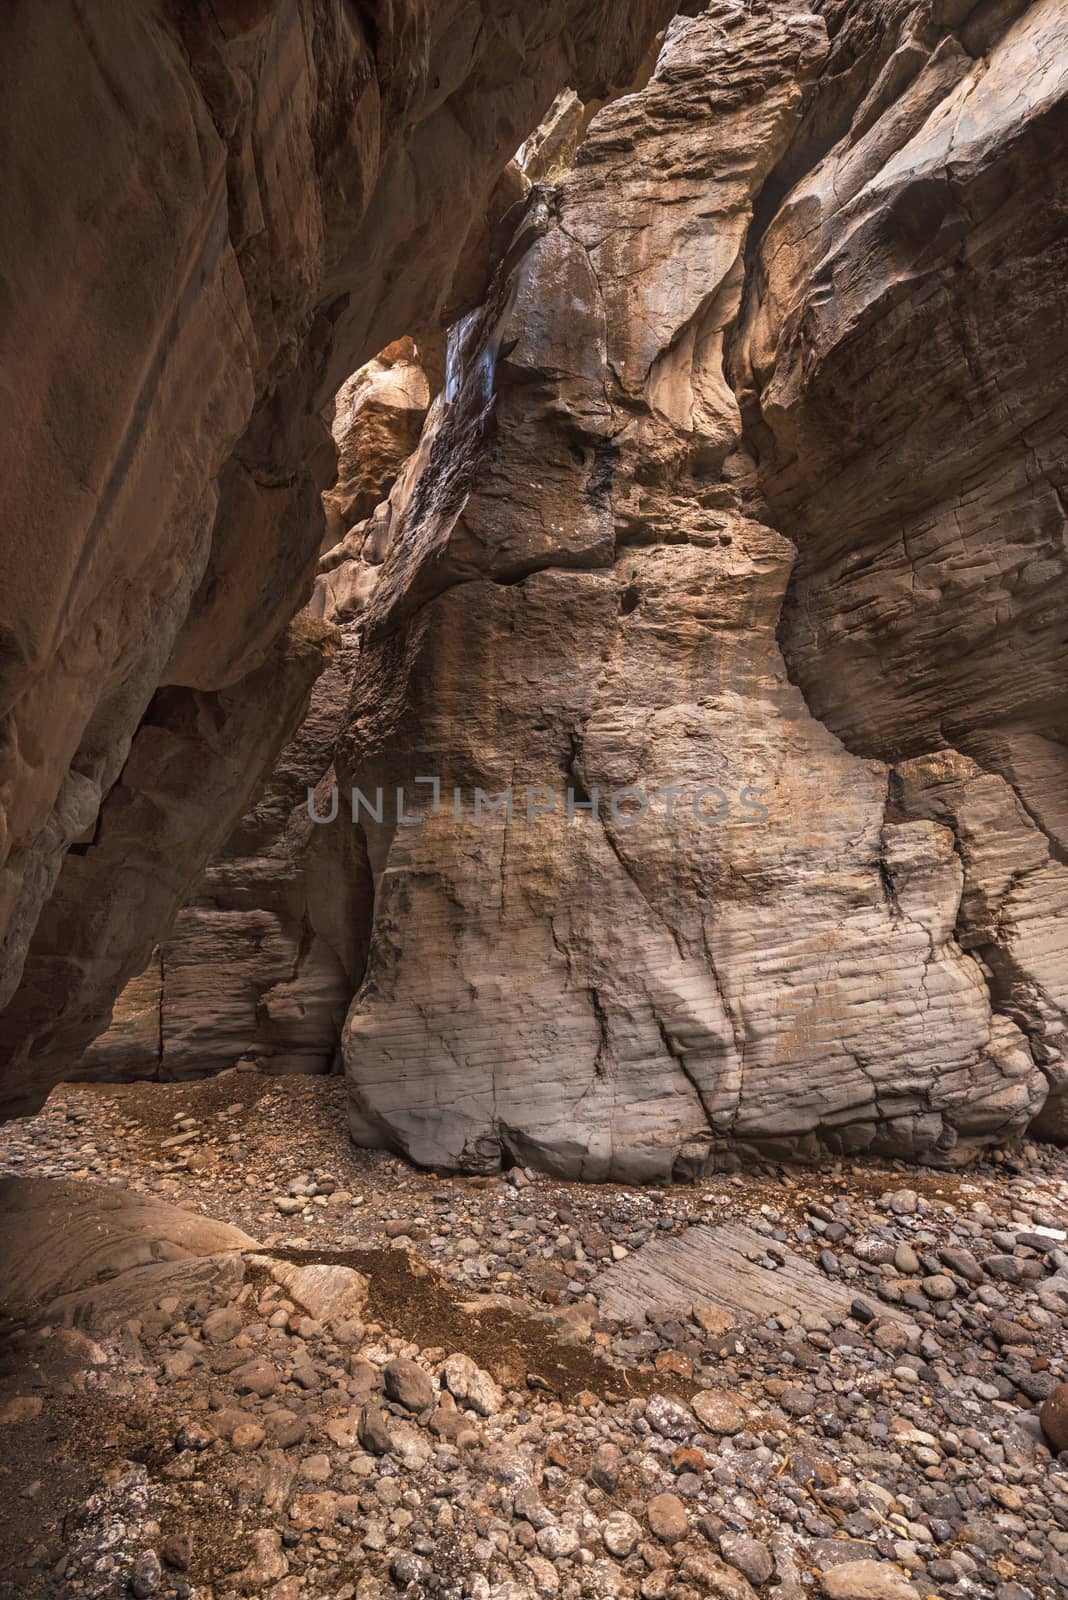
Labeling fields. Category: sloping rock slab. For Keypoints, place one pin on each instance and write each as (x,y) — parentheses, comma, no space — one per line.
(721,1266)
(100,1308)
(58,1237)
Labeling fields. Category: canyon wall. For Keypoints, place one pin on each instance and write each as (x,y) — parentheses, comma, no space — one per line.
(699,349)
(225,210)
(900,363)
(732,549)
(265,955)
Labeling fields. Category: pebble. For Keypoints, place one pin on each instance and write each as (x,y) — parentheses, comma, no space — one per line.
(620,1533)
(668,1417)
(146,1575)
(903,1447)
(556,1542)
(752,1559)
(222,1325)
(718,1412)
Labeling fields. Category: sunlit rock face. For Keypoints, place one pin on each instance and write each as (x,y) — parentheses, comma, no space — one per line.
(263,958)
(584,588)
(225,211)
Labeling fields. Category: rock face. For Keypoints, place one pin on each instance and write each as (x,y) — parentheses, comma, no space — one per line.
(259,965)
(907,290)
(378,417)
(901,365)
(195,762)
(695,698)
(854,945)
(230,207)
(70,1246)
(262,961)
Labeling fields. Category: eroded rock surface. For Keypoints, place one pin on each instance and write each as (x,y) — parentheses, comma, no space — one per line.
(742,490)
(902,354)
(194,764)
(65,1242)
(262,962)
(584,589)
(226,210)
(901,364)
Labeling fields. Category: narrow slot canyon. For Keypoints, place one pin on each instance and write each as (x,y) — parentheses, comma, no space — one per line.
(533,822)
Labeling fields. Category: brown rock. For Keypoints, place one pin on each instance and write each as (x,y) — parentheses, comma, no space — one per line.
(594,588)
(718,1412)
(179,434)
(1054,1418)
(222,1325)
(867,1580)
(374,1433)
(255,1377)
(177,1551)
(675,515)
(878,515)
(667,1518)
(408,1384)
(713,1319)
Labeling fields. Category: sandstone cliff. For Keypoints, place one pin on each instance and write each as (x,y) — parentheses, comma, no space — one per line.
(586,586)
(263,959)
(224,211)
(745,480)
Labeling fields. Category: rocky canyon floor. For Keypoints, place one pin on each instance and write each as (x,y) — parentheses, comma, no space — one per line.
(402,1384)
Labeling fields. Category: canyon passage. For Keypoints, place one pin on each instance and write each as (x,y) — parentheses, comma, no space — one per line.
(533,800)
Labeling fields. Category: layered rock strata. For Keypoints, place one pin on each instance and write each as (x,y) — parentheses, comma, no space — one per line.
(227,208)
(901,364)
(743,495)
(582,593)
(263,959)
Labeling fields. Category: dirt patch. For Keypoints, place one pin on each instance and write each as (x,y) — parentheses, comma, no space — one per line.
(519,1351)
(154,1106)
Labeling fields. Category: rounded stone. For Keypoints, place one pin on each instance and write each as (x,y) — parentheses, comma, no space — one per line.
(178,1552)
(717,1412)
(146,1575)
(667,1518)
(867,1580)
(556,1542)
(409,1385)
(247,1436)
(751,1558)
(669,1418)
(798,1402)
(620,1533)
(1054,1417)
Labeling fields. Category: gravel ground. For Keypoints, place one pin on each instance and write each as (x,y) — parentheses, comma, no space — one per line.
(480,1429)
